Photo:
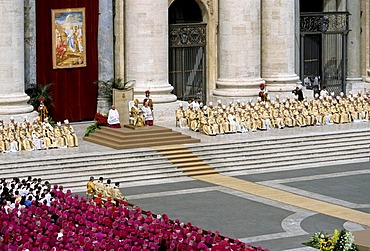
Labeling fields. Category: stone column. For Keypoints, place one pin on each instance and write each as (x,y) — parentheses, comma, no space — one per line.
(30,42)
(13,100)
(278,45)
(146,48)
(354,78)
(365,46)
(105,50)
(239,49)
(119,39)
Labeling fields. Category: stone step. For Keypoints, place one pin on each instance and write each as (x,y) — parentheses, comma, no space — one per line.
(196,168)
(124,138)
(176,162)
(311,141)
(201,172)
(156,141)
(157,157)
(182,159)
(88,161)
(130,157)
(136,138)
(71,176)
(81,168)
(35,156)
(272,152)
(136,131)
(146,151)
(238,164)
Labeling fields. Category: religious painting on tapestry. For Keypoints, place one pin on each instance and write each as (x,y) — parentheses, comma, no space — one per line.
(68,37)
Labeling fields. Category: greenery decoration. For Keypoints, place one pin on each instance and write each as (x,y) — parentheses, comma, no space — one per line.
(99,120)
(105,87)
(91,128)
(338,241)
(35,92)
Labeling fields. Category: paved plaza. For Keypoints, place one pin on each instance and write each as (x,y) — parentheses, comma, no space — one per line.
(273,225)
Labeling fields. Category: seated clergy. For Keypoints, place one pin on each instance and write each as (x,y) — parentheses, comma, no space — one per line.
(113,118)
(72,140)
(136,115)
(116,193)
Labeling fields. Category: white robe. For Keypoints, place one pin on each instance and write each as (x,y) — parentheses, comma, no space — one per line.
(147,112)
(113,117)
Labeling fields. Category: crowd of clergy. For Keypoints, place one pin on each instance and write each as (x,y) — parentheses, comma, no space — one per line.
(35,135)
(104,191)
(59,220)
(242,117)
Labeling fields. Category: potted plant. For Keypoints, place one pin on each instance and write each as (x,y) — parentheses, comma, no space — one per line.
(35,92)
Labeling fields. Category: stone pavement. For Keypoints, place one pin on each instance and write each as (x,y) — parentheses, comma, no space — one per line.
(247,214)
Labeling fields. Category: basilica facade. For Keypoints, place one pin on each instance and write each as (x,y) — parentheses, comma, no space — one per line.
(185,49)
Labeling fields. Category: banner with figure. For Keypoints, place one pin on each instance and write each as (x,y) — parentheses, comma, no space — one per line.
(68,37)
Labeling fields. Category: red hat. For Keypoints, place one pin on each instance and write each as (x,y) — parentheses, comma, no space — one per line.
(262,86)
(147,91)
(41,99)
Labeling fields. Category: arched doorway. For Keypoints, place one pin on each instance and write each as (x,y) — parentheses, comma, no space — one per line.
(187,50)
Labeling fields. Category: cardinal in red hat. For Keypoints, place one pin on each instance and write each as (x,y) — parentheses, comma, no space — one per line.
(43,111)
(263,92)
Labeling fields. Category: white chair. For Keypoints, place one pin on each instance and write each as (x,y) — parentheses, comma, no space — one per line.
(131,120)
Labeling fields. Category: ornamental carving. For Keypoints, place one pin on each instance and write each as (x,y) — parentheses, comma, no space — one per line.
(187,35)
(210,6)
(330,22)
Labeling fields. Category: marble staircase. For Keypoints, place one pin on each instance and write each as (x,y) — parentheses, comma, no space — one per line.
(142,166)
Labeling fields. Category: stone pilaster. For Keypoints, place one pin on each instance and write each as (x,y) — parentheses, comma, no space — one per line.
(365,39)
(119,38)
(239,59)
(354,78)
(146,48)
(105,50)
(278,45)
(13,100)
(30,42)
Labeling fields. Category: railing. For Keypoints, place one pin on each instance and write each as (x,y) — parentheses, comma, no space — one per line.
(324,22)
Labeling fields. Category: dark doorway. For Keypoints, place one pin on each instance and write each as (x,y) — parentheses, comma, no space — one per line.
(323,47)
(187,50)
(184,11)
(311,5)
(312,60)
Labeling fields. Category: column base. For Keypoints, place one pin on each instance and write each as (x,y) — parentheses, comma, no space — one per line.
(13,104)
(237,87)
(164,114)
(16,106)
(159,92)
(356,84)
(281,83)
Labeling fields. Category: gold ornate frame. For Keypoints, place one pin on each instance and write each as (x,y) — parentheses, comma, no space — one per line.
(68,38)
